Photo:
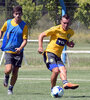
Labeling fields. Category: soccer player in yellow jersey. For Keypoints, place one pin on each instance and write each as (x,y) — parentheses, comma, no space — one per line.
(59,37)
(14,41)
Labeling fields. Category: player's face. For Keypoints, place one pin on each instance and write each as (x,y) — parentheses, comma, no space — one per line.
(17,15)
(65,23)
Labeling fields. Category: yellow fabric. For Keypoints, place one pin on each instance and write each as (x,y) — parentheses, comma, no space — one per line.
(10,52)
(25,31)
(55,33)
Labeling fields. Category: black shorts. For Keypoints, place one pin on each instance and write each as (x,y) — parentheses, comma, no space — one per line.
(14,59)
(52,60)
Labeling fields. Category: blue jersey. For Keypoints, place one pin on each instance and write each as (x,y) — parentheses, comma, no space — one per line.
(13,36)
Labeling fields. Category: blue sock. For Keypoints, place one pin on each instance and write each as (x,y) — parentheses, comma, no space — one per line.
(65,81)
(6,76)
(51,89)
(10,87)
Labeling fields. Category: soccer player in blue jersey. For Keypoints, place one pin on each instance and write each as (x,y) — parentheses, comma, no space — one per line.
(14,41)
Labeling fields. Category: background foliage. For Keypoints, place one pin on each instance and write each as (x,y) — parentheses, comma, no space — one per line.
(34,10)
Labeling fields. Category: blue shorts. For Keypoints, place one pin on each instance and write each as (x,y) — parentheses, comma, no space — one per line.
(52,61)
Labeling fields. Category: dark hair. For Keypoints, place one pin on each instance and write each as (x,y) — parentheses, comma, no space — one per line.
(66,16)
(17,8)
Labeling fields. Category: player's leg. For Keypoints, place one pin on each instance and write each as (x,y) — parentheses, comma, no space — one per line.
(8,68)
(14,76)
(13,79)
(63,73)
(54,75)
(49,59)
(63,76)
(16,65)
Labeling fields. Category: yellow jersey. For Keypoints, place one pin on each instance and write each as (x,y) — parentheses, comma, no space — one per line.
(58,39)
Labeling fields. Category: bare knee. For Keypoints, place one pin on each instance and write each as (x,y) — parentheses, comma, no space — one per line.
(8,69)
(63,70)
(56,71)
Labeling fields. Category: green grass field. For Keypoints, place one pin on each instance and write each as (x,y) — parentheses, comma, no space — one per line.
(34,84)
(34,79)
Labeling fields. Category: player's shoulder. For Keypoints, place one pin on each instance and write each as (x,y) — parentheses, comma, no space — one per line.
(23,22)
(25,25)
(9,20)
(55,27)
(71,30)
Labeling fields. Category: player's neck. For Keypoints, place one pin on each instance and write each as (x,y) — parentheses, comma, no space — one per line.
(65,29)
(17,21)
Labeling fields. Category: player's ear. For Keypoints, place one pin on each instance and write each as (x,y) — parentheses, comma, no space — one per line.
(61,21)
(13,14)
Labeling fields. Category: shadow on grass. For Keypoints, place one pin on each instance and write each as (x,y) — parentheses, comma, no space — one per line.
(77,96)
(33,93)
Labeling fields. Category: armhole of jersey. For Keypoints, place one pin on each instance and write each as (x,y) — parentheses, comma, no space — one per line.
(8,23)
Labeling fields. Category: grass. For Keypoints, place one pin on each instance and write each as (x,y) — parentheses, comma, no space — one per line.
(34,84)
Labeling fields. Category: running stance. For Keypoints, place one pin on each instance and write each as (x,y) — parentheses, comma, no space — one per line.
(59,37)
(14,41)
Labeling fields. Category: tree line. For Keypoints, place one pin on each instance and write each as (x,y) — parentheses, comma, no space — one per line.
(33,10)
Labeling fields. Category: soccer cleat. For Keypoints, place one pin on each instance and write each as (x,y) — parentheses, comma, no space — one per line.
(52,94)
(70,86)
(6,79)
(10,92)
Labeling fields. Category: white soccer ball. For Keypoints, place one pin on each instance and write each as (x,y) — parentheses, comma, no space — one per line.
(57,91)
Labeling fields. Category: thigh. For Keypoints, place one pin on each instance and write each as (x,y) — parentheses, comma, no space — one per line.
(8,58)
(18,60)
(59,62)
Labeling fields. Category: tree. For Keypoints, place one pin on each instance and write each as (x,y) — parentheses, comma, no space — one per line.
(54,9)
(9,7)
(77,9)
(31,12)
(83,12)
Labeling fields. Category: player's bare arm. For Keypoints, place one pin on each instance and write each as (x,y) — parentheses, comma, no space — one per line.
(70,44)
(1,33)
(22,46)
(40,40)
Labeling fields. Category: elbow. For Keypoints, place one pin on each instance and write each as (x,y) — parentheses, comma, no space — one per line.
(41,36)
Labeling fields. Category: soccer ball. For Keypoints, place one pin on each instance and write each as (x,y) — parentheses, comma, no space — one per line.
(57,91)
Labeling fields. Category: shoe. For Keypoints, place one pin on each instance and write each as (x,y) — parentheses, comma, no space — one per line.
(70,86)
(10,92)
(52,94)
(6,79)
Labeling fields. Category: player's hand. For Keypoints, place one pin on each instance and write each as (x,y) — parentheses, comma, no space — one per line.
(0,45)
(17,50)
(71,44)
(40,50)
